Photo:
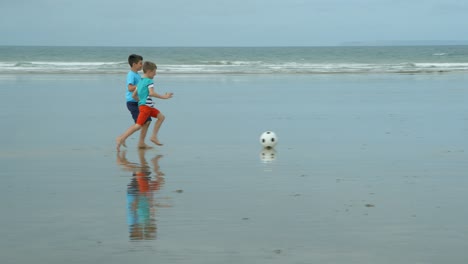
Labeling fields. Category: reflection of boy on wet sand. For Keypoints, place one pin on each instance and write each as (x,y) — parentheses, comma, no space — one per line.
(141,205)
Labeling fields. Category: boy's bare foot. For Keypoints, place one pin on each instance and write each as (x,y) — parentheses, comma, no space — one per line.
(120,142)
(156,141)
(144,146)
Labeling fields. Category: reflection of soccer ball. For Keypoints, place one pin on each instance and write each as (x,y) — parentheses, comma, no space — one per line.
(268,155)
(268,139)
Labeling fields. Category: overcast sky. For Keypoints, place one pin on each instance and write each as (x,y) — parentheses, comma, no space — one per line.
(229,22)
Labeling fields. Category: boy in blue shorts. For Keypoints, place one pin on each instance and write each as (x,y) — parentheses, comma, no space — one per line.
(136,63)
(144,92)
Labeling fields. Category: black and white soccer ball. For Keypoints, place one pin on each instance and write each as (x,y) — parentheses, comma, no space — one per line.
(268,139)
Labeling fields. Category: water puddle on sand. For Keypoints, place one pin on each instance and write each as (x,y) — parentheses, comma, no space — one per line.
(142,205)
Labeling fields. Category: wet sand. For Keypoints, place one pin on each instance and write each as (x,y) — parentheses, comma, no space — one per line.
(368,169)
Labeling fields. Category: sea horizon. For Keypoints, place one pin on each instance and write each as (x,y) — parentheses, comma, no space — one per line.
(238,60)
(375,43)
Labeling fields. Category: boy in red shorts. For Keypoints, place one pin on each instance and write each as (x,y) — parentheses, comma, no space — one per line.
(143,94)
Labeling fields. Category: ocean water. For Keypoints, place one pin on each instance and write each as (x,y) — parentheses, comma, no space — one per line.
(240,60)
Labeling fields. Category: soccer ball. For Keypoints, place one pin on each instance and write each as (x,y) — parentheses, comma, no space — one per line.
(268,139)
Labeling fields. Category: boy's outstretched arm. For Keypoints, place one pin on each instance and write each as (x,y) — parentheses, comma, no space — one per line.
(152,93)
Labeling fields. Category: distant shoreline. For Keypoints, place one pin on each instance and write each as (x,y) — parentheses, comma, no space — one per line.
(406,43)
(342,44)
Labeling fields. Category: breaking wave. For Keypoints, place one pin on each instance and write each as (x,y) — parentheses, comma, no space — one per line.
(232,67)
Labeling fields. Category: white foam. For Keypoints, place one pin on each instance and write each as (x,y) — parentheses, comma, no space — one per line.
(237,67)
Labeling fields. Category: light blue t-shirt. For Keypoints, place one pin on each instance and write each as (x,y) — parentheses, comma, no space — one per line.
(133,78)
(143,92)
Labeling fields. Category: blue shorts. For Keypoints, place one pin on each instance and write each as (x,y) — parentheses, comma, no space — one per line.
(133,108)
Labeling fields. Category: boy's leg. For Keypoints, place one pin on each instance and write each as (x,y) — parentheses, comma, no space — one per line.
(157,126)
(121,139)
(143,117)
(144,131)
(135,111)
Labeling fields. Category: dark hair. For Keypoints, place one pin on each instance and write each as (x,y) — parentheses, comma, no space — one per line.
(133,58)
(149,66)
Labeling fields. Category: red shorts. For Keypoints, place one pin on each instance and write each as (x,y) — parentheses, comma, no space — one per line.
(143,182)
(145,112)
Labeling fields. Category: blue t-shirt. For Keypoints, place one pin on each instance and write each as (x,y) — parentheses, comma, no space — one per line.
(133,78)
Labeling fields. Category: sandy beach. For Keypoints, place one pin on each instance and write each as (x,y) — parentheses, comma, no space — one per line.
(368,169)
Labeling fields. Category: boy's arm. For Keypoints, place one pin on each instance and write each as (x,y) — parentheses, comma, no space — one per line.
(132,81)
(131,87)
(152,93)
(135,95)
